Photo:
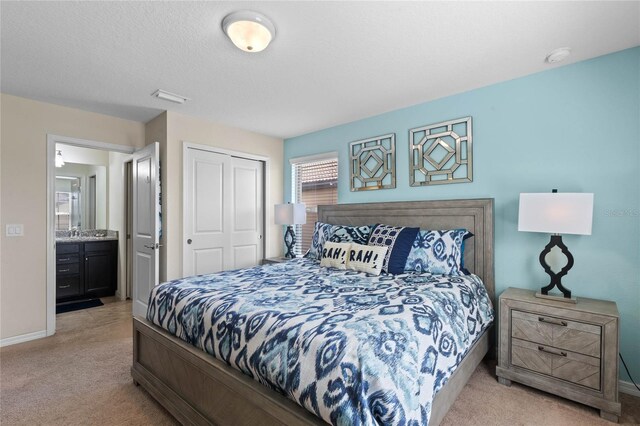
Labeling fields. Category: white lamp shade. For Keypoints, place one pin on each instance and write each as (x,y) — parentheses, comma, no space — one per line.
(290,214)
(556,213)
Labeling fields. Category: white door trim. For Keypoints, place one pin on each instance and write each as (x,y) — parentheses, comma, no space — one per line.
(51,231)
(265,190)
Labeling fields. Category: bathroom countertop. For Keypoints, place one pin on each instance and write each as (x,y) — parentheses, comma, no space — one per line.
(86,235)
(84,239)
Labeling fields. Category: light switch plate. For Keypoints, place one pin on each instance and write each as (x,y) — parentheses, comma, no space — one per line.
(15,230)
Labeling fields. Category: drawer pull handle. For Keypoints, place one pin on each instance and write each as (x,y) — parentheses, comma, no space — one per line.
(549,351)
(64,286)
(64,260)
(550,321)
(64,270)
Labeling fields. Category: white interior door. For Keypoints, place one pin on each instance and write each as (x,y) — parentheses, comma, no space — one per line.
(223,212)
(207,216)
(248,212)
(146,224)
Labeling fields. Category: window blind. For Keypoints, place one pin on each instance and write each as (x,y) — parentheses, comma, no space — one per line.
(314,183)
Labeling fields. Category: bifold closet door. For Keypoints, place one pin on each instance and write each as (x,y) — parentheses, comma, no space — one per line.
(224,212)
(248,212)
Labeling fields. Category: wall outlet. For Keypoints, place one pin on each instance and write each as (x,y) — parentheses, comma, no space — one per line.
(15,230)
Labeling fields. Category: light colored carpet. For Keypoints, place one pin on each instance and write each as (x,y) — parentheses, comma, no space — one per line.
(81,376)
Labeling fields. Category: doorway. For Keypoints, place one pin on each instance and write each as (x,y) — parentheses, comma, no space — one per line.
(118,151)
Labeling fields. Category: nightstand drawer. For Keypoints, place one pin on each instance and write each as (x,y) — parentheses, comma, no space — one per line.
(566,365)
(561,333)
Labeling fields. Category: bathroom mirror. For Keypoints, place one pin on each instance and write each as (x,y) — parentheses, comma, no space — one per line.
(68,210)
(81,197)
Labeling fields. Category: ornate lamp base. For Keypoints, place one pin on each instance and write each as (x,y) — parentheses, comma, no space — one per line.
(290,242)
(556,241)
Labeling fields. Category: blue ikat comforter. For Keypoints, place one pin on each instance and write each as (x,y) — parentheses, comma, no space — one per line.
(352,348)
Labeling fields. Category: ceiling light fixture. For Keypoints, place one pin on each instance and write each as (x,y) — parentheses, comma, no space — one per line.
(558,55)
(59,159)
(249,31)
(168,96)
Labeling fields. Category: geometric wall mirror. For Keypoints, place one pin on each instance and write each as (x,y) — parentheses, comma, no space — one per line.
(372,163)
(441,153)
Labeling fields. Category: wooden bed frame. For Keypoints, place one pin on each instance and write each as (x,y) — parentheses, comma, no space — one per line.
(199,389)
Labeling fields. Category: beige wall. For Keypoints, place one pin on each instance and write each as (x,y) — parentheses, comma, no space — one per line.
(23,135)
(181,128)
(24,125)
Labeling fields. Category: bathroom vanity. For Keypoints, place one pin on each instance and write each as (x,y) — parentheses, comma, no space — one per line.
(86,267)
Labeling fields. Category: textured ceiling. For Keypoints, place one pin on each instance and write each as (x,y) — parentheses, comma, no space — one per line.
(330,63)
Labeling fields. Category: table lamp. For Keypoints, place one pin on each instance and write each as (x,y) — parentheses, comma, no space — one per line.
(290,214)
(556,213)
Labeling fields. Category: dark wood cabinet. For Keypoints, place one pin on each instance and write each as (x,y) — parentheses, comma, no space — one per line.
(68,287)
(86,269)
(68,271)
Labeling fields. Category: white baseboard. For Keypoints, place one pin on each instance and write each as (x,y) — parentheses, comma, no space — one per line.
(628,388)
(23,338)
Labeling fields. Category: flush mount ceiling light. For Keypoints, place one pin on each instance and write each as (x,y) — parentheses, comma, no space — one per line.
(59,159)
(249,31)
(558,55)
(168,96)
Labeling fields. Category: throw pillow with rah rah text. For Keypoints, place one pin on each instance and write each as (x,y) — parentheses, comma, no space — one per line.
(335,255)
(368,259)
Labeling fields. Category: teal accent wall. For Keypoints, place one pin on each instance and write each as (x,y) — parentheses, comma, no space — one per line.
(575,128)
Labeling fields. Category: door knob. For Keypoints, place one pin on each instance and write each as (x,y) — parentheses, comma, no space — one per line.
(152,247)
(189,241)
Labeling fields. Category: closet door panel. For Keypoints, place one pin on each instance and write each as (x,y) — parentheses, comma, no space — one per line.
(248,212)
(207,213)
(208,185)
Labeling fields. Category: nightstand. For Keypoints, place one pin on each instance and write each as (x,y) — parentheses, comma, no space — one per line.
(570,350)
(272,260)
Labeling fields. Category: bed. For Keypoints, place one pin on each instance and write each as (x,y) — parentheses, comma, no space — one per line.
(200,389)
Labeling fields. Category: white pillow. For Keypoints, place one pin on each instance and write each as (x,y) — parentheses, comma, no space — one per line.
(366,258)
(335,255)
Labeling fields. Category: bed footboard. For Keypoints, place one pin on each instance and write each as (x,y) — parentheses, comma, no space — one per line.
(199,389)
(446,396)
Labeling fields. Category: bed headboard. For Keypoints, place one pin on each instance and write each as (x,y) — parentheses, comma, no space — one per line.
(474,215)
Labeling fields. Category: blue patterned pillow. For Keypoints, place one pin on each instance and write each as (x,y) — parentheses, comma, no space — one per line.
(399,239)
(438,252)
(320,235)
(351,234)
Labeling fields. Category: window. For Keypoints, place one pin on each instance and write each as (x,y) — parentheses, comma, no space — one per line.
(314,183)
